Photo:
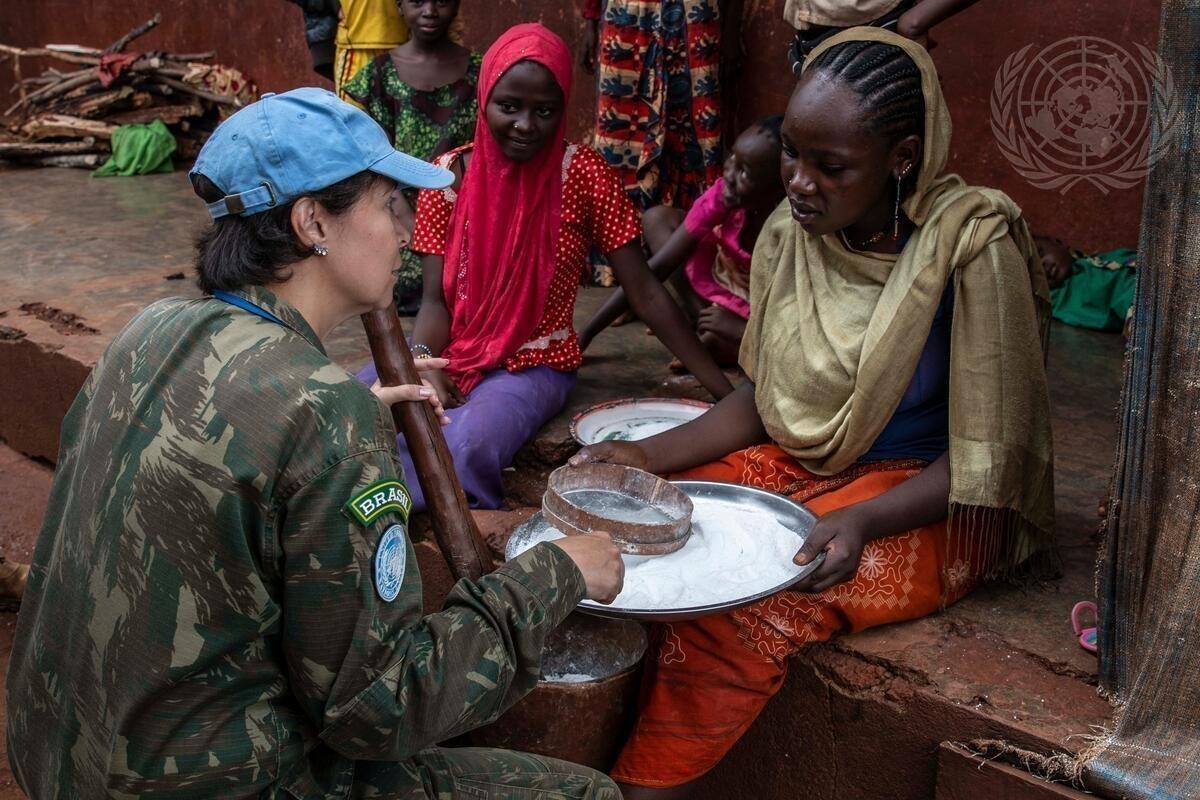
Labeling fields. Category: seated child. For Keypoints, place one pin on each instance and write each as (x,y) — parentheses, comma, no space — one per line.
(422,94)
(714,241)
(1089,291)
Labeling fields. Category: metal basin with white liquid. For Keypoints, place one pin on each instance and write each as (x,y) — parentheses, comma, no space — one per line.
(772,527)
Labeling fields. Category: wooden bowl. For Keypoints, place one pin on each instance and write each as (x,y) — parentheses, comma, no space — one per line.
(638,487)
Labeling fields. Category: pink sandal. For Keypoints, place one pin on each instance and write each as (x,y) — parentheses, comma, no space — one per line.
(1087,636)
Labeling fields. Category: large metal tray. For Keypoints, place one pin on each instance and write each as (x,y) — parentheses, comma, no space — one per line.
(794,516)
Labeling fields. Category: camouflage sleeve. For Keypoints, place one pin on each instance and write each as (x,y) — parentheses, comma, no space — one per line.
(379,680)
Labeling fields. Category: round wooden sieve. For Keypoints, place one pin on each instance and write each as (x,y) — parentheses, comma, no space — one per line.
(634,538)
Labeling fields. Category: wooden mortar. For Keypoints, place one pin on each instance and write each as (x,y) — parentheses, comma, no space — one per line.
(588,722)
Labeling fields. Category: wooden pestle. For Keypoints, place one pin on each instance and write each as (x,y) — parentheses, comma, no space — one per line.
(453,526)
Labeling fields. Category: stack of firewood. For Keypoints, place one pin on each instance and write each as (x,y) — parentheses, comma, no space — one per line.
(66,117)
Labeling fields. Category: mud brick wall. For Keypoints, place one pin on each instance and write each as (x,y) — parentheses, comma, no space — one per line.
(266,40)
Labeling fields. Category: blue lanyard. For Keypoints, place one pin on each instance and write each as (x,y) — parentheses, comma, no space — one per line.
(246,305)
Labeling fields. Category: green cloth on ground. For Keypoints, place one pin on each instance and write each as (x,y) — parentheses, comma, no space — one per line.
(139,150)
(1099,292)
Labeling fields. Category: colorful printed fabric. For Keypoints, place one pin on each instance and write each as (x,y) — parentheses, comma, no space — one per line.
(658,121)
(348,62)
(707,680)
(595,212)
(422,123)
(225,81)
(1098,294)
(719,268)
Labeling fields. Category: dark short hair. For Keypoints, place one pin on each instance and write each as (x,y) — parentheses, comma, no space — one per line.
(772,127)
(235,251)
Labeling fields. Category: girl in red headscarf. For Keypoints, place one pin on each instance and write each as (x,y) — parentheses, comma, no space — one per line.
(504,250)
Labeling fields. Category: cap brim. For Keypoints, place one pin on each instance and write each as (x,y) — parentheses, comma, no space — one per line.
(409,171)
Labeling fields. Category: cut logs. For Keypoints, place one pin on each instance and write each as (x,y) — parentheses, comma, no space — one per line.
(66,113)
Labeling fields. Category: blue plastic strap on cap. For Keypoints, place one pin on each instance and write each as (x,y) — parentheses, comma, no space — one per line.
(250,201)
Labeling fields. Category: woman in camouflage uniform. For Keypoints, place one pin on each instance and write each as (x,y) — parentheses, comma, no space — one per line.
(224,601)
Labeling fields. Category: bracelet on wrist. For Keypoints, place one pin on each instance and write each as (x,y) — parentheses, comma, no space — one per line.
(421,352)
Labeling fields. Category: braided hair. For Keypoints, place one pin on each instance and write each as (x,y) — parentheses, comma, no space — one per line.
(886,81)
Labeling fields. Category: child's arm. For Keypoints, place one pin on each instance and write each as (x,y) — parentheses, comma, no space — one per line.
(591,36)
(916,22)
(663,263)
(653,304)
(432,328)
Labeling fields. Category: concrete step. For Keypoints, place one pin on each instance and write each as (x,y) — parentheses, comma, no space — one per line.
(964,775)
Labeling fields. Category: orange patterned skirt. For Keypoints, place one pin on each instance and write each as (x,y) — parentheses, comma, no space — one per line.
(707,680)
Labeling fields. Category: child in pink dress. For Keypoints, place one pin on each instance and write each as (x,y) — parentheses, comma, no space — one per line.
(713,242)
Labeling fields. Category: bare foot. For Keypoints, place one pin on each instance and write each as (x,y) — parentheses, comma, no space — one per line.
(624,319)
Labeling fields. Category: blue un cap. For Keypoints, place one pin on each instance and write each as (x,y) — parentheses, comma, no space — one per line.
(286,145)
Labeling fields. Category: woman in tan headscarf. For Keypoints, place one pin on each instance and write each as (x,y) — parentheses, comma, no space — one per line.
(897,388)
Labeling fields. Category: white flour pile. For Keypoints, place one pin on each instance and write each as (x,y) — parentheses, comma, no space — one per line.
(569,677)
(734,552)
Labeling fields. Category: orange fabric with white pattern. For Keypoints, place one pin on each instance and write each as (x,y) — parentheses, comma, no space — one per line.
(707,680)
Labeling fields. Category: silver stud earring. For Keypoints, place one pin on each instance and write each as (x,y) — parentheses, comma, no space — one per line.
(320,249)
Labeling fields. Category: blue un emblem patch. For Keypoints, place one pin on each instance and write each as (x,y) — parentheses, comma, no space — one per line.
(389,563)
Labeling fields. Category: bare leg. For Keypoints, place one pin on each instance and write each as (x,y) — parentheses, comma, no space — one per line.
(691,302)
(723,349)
(658,224)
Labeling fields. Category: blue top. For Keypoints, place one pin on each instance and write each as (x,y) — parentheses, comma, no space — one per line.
(920,428)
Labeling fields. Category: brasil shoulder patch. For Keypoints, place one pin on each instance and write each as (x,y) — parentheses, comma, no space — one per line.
(377,499)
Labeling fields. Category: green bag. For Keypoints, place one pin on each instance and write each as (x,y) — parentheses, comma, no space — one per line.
(139,150)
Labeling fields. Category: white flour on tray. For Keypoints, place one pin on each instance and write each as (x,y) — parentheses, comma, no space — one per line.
(734,552)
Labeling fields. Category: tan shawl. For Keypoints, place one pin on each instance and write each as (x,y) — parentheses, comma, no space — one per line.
(835,335)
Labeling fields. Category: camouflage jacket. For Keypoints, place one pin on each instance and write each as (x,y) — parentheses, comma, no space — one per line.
(224,601)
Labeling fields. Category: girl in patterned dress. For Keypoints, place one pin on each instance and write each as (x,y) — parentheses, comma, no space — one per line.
(504,251)
(422,94)
(713,242)
(894,351)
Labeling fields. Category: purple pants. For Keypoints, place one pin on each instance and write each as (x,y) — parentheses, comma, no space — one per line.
(485,433)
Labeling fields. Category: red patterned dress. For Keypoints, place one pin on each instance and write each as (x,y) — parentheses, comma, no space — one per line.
(595,212)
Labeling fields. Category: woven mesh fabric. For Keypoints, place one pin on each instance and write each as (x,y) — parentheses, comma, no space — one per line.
(1149,571)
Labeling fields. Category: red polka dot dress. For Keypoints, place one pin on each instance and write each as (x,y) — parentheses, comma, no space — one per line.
(595,211)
